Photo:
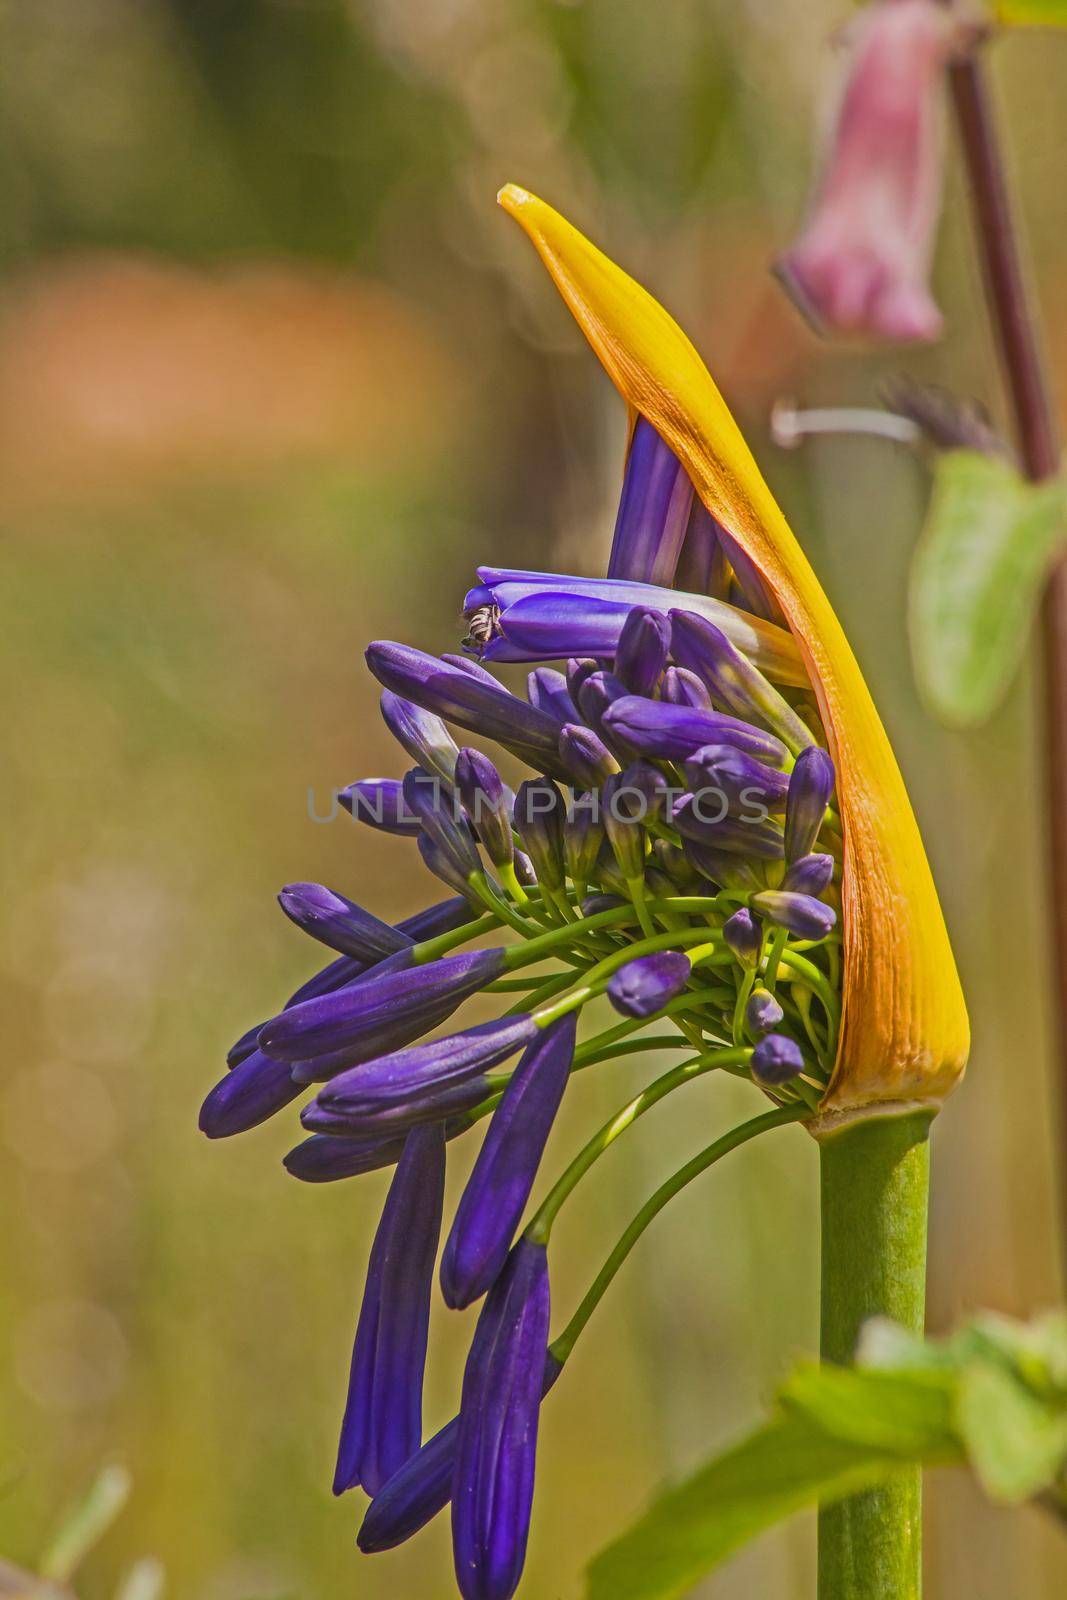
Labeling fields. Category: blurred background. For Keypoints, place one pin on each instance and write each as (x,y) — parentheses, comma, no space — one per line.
(275,373)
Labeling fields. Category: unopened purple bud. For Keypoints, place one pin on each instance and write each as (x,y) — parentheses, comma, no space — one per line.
(435,806)
(547,690)
(335,920)
(596,695)
(496,1450)
(676,865)
(776,1059)
(499,1186)
(383,1011)
(578,670)
(380,1117)
(253,1091)
(644,986)
(644,645)
(441,864)
(801,914)
(743,935)
(670,732)
(473,669)
(379,802)
(624,806)
(811,784)
(733,680)
(382,1425)
(485,800)
(705,816)
(583,836)
(724,868)
(744,782)
(653,511)
(538,817)
(325,1158)
(762,1011)
(422,734)
(680,687)
(593,904)
(809,874)
(585,755)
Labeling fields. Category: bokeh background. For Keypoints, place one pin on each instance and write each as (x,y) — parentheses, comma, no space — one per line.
(275,374)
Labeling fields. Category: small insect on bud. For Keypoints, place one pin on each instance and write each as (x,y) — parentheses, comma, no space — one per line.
(482,627)
(776,1059)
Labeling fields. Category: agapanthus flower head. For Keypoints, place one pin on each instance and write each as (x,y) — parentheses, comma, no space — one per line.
(862,262)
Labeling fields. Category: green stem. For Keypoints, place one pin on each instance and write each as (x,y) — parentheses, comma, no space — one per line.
(875,1183)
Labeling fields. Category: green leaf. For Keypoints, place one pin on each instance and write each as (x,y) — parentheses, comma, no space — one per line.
(907,1414)
(1033,13)
(787,1465)
(1015,1440)
(86,1524)
(988,542)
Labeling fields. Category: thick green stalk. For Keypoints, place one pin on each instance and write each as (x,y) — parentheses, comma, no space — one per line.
(875,1187)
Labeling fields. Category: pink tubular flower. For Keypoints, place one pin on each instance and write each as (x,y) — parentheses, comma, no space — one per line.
(861,264)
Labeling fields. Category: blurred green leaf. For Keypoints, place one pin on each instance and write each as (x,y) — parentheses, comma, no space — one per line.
(988,541)
(86,1524)
(908,1414)
(144,1581)
(1015,1441)
(1034,13)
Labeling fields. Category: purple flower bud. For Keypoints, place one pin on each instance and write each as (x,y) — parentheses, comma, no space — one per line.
(809,874)
(680,687)
(742,935)
(538,817)
(379,802)
(577,672)
(593,904)
(492,1493)
(705,817)
(443,866)
(672,732)
(485,800)
(470,702)
(545,616)
(583,836)
(585,755)
(324,1157)
(335,920)
(762,1011)
(253,1091)
(776,1059)
(377,1087)
(422,734)
(653,510)
(383,1011)
(733,680)
(598,692)
(496,1194)
(862,262)
(547,690)
(802,914)
(676,865)
(473,669)
(624,808)
(422,1487)
(811,784)
(722,867)
(644,986)
(383,1116)
(382,1425)
(745,783)
(644,645)
(435,806)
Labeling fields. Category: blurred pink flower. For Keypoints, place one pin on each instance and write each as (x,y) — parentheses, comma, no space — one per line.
(861,264)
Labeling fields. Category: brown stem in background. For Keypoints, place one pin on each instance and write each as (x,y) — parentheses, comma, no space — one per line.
(1017,330)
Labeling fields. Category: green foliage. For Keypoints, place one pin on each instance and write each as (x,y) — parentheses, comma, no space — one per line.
(987,544)
(994,1396)
(1033,13)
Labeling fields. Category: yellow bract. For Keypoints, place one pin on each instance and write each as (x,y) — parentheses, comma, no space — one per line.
(904,1035)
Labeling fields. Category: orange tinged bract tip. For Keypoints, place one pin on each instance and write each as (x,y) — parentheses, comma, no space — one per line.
(904,1034)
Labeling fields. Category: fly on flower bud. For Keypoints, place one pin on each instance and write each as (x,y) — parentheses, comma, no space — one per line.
(644,645)
(585,755)
(680,687)
(811,784)
(644,986)
(422,734)
(583,836)
(743,781)
(742,935)
(762,1012)
(776,1059)
(496,1451)
(801,914)
(485,800)
(336,921)
(653,515)
(382,1425)
(435,806)
(539,813)
(862,262)
(669,732)
(379,802)
(251,1092)
(492,1204)
(733,680)
(547,690)
(809,874)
